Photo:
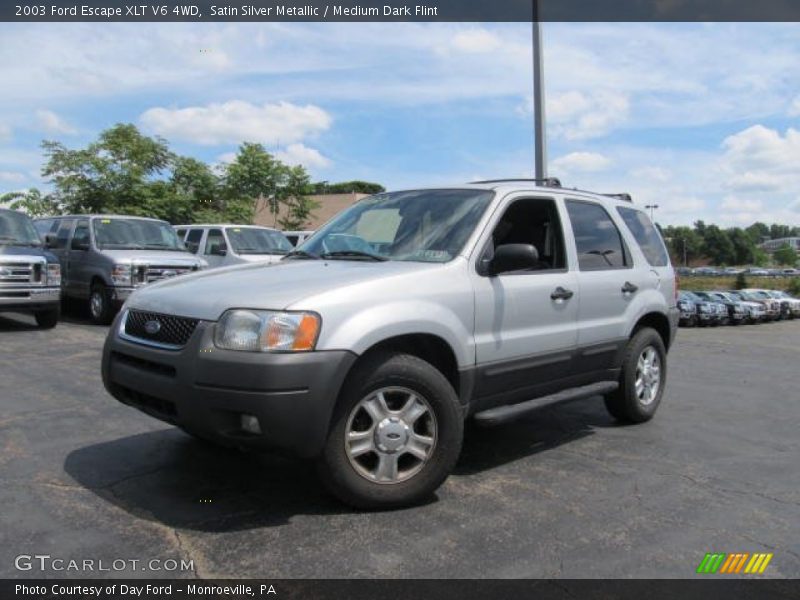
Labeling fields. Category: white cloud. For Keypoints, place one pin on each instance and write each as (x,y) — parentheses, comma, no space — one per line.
(11,177)
(5,132)
(299,154)
(476,40)
(761,159)
(50,122)
(736,204)
(576,115)
(581,162)
(794,107)
(238,121)
(656,174)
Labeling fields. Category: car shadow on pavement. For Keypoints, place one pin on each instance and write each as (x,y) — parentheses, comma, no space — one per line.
(171,478)
(541,430)
(17,322)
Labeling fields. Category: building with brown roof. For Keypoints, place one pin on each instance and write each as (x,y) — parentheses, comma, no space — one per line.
(329,206)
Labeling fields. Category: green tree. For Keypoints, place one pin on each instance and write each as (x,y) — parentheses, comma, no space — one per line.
(116,173)
(32,202)
(760,258)
(757,232)
(777,231)
(685,244)
(717,245)
(255,173)
(299,206)
(743,247)
(785,255)
(348,187)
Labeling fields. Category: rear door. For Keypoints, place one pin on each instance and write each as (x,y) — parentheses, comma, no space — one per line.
(525,321)
(608,282)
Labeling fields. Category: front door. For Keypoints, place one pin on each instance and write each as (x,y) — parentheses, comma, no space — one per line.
(79,253)
(525,321)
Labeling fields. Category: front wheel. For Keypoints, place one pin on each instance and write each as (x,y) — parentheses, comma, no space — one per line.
(47,319)
(644,372)
(396,434)
(100,308)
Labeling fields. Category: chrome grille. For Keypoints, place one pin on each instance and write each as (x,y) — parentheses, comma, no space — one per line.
(171,330)
(157,273)
(15,273)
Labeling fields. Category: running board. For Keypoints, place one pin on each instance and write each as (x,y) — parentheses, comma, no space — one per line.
(503,414)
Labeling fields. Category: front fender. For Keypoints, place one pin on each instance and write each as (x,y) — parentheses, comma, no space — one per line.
(365,328)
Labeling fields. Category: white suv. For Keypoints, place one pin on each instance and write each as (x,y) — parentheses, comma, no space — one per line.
(368,346)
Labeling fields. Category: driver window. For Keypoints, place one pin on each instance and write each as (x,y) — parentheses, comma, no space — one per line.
(215,242)
(532,221)
(81,235)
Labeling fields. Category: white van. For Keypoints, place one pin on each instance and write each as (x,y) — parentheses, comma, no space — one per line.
(225,245)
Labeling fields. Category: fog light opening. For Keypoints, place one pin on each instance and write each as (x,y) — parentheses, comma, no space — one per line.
(250,424)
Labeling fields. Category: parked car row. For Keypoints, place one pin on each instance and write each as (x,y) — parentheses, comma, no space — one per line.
(734,307)
(728,271)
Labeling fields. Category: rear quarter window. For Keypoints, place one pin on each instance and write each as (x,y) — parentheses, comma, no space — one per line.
(646,235)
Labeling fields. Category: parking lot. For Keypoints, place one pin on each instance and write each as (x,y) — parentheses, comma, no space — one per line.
(564,493)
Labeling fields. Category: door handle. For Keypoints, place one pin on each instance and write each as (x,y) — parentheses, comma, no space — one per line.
(629,288)
(561,293)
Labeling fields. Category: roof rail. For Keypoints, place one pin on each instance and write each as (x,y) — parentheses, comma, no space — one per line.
(625,197)
(546,182)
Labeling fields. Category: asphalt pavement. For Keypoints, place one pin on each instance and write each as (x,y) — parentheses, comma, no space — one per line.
(567,492)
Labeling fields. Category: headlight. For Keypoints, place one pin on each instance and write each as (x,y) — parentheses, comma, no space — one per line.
(267,331)
(121,274)
(54,274)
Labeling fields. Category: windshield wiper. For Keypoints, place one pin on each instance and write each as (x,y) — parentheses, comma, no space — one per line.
(357,254)
(7,239)
(301,254)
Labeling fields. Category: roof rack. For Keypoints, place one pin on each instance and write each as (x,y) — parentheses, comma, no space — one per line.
(546,182)
(625,197)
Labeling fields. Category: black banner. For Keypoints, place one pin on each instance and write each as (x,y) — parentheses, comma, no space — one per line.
(398,10)
(396,589)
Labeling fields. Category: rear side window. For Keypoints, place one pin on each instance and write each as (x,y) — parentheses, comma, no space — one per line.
(599,244)
(646,236)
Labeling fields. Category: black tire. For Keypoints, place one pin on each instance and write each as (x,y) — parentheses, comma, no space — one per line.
(47,319)
(395,371)
(101,310)
(624,404)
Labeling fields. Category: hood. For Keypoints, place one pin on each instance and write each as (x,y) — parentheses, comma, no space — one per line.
(262,258)
(153,257)
(34,251)
(207,294)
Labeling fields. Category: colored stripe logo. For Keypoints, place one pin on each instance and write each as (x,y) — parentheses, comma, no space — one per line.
(735,563)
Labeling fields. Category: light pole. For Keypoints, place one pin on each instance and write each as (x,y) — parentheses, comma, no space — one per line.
(539,133)
(652,208)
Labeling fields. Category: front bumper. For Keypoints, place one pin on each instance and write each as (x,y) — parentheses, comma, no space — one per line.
(120,294)
(205,390)
(29,299)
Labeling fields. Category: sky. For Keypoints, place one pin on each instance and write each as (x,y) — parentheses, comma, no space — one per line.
(701,119)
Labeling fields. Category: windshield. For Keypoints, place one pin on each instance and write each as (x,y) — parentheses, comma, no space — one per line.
(252,240)
(17,229)
(420,226)
(135,234)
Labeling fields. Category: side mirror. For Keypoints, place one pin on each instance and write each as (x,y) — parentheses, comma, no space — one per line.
(513,257)
(50,240)
(80,244)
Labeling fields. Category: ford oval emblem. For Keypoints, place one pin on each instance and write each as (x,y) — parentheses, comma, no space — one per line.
(152,327)
(4,271)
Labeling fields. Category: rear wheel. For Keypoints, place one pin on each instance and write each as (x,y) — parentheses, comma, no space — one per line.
(396,434)
(47,319)
(100,308)
(644,371)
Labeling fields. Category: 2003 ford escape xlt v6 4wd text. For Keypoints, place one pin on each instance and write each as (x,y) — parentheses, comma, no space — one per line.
(368,346)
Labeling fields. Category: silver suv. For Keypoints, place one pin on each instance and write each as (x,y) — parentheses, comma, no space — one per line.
(368,346)
(105,257)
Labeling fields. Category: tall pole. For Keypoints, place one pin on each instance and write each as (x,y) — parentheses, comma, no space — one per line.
(539,133)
